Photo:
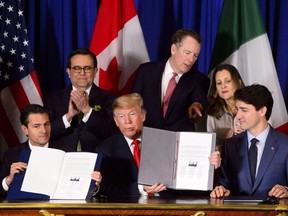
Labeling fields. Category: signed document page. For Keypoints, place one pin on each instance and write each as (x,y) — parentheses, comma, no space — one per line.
(58,174)
(193,171)
(75,176)
(178,160)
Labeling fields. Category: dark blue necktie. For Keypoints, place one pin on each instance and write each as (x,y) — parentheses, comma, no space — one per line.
(253,151)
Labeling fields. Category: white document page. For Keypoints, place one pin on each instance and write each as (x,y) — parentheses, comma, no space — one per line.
(43,170)
(75,176)
(58,174)
(194,171)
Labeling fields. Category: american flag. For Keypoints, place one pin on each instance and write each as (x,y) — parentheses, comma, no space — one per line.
(18,80)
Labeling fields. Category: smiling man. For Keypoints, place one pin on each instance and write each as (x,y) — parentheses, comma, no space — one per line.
(255,162)
(81,114)
(178,105)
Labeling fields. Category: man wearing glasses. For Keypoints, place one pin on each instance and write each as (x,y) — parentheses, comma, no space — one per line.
(81,114)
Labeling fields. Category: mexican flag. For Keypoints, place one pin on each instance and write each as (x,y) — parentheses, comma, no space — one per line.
(119,44)
(243,42)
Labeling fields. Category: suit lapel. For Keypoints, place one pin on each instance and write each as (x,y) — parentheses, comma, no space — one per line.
(125,152)
(243,153)
(123,148)
(156,83)
(93,95)
(269,151)
(180,88)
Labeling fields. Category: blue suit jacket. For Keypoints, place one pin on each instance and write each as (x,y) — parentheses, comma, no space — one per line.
(272,170)
(192,87)
(99,126)
(118,168)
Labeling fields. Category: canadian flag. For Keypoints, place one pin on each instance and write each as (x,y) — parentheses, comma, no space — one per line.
(119,45)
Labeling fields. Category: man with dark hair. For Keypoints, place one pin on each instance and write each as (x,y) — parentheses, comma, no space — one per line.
(36,125)
(81,114)
(254,162)
(174,94)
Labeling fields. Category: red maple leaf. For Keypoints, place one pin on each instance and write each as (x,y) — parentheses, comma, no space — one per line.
(109,79)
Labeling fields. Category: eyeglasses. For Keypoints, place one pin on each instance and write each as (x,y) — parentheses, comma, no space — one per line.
(87,69)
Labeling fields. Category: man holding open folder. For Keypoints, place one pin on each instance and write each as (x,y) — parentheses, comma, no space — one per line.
(36,125)
(120,163)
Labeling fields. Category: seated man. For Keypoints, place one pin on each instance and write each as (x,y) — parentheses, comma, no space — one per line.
(119,169)
(36,125)
(254,162)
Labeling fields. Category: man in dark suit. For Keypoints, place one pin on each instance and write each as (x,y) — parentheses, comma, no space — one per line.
(81,114)
(269,177)
(119,169)
(188,100)
(36,125)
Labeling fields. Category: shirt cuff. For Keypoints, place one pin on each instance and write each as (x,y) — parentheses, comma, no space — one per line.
(141,190)
(66,122)
(87,115)
(4,185)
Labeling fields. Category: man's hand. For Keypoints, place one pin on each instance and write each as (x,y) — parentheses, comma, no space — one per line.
(15,168)
(72,110)
(81,100)
(155,188)
(219,191)
(278,191)
(215,159)
(97,177)
(195,111)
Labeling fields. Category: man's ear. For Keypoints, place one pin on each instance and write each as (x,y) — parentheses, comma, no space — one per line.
(68,72)
(115,120)
(24,129)
(173,49)
(263,111)
(143,116)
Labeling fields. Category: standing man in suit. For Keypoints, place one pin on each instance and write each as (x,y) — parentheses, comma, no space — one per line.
(269,178)
(36,125)
(119,169)
(188,100)
(81,114)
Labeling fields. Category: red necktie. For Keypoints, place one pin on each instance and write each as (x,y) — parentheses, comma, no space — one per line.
(170,88)
(136,152)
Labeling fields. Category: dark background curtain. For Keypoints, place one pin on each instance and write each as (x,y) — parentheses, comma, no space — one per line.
(58,27)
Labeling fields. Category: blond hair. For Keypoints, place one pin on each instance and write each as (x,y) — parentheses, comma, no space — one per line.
(128,101)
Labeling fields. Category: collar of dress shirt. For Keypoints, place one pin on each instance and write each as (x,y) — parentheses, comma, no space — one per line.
(129,141)
(31,146)
(87,90)
(261,137)
(168,71)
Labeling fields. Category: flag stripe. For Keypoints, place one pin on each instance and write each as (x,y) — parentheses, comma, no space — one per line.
(114,15)
(119,44)
(36,84)
(244,59)
(6,128)
(18,94)
(13,114)
(31,90)
(242,41)
(234,30)
(17,86)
